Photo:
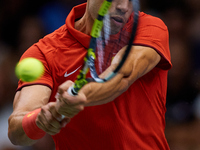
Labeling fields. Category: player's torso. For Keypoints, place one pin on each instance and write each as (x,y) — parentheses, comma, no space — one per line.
(132,121)
(99,124)
(67,61)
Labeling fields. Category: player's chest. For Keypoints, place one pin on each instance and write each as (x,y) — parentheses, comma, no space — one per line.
(66,63)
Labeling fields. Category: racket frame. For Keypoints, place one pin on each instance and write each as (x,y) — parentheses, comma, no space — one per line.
(89,60)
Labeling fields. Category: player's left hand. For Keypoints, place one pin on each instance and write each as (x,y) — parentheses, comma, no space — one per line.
(68,105)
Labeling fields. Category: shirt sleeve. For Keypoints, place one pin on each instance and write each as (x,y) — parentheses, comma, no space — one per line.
(46,79)
(152,32)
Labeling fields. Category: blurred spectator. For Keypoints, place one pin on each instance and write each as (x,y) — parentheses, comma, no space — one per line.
(10,17)
(53,14)
(12,13)
(181,92)
(183,100)
(194,30)
(176,20)
(194,39)
(194,5)
(30,31)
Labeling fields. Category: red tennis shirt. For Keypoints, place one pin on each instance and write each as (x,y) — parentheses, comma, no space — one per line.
(133,121)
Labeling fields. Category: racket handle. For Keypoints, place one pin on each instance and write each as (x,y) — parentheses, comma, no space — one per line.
(62,116)
(71,91)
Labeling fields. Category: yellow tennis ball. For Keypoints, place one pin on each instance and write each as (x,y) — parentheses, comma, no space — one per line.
(29,69)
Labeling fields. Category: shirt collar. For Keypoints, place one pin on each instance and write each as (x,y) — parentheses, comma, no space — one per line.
(76,13)
(84,39)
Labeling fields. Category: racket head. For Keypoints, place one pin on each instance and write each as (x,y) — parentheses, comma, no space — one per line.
(114,28)
(118,30)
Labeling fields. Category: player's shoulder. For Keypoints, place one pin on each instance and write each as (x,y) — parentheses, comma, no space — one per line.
(47,46)
(149,20)
(55,40)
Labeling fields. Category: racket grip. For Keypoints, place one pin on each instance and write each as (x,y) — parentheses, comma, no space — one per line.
(71,91)
(62,116)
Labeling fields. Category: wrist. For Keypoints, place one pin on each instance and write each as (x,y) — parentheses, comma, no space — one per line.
(30,127)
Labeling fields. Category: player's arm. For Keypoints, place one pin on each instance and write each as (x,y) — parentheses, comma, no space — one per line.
(28,100)
(140,61)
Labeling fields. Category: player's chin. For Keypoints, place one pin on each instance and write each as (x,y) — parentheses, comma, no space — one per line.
(116,28)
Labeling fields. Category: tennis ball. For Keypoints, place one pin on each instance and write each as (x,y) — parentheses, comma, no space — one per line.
(29,69)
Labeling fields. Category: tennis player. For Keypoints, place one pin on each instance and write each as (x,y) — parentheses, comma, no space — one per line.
(125,113)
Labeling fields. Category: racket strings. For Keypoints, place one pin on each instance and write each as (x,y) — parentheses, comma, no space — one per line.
(104,54)
(107,48)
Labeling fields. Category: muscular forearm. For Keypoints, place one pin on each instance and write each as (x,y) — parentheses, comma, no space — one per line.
(16,133)
(101,93)
(140,61)
(26,101)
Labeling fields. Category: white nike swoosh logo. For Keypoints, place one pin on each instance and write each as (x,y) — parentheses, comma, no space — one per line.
(68,74)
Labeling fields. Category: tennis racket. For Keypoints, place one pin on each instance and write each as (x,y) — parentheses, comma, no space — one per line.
(111,31)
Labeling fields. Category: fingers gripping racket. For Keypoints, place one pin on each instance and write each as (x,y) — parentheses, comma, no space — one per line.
(110,32)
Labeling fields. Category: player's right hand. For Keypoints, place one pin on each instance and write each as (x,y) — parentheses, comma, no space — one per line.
(49,120)
(69,105)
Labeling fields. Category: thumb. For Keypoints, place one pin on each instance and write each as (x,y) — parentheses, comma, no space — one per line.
(64,86)
(54,111)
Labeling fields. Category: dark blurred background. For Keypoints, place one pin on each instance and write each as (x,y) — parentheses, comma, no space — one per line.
(24,22)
